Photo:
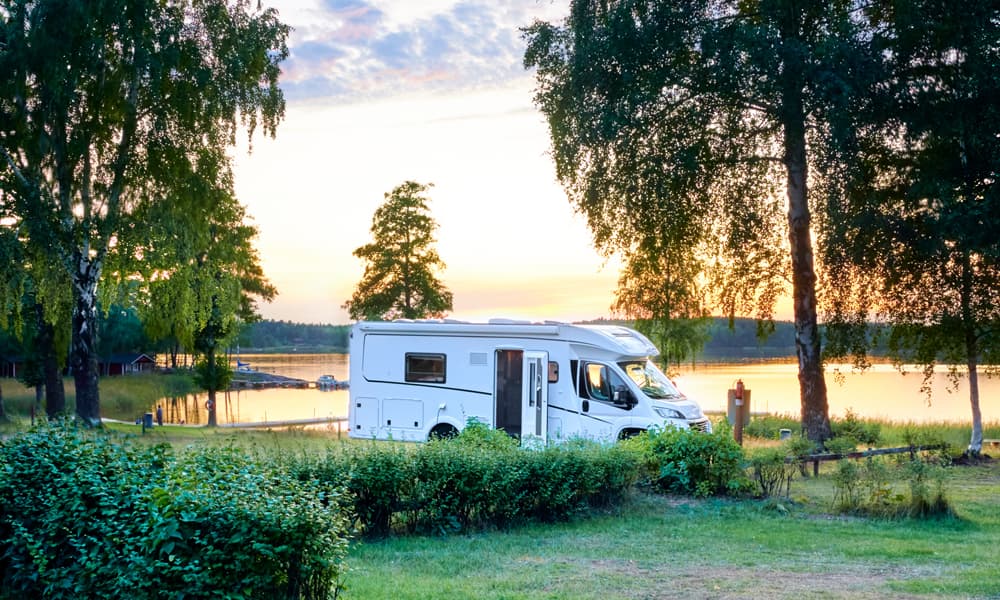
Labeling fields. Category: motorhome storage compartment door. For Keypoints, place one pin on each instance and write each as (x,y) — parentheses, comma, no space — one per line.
(402,413)
(365,413)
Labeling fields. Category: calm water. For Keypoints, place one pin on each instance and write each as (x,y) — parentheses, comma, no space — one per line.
(881,392)
(268,405)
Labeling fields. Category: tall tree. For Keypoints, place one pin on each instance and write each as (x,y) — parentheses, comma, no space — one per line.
(400,263)
(202,276)
(34,301)
(921,244)
(660,288)
(105,105)
(685,120)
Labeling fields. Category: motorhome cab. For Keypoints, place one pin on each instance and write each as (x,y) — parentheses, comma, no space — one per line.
(536,381)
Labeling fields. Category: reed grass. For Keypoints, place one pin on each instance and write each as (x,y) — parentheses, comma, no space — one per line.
(891,432)
(122,397)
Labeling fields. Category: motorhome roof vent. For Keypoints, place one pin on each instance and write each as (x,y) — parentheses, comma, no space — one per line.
(509,322)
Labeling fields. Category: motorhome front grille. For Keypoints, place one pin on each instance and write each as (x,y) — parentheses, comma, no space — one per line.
(700,425)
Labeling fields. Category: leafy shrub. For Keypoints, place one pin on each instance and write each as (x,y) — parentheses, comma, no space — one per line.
(868,488)
(692,462)
(478,479)
(841,445)
(927,495)
(847,486)
(84,516)
(378,479)
(481,480)
(862,432)
(773,471)
(769,426)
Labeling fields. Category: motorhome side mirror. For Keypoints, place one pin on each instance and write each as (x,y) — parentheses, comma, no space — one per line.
(623,396)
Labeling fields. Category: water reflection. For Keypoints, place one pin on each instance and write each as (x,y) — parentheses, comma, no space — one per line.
(880,393)
(274,404)
(257,406)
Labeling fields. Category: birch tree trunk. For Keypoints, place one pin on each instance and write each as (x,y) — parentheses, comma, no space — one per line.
(83,349)
(812,386)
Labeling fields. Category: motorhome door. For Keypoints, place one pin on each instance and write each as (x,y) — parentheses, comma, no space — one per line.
(534,396)
(521,393)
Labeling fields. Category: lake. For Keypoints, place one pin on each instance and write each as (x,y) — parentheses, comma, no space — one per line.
(882,392)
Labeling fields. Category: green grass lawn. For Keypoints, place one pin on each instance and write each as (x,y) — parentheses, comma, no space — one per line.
(665,547)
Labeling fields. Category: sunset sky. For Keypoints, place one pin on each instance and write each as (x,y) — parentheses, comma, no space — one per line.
(384,91)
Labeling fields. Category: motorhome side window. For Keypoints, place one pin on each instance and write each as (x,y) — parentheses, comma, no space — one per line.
(425,368)
(602,384)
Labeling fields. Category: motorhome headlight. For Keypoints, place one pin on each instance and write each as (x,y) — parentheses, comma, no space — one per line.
(669,413)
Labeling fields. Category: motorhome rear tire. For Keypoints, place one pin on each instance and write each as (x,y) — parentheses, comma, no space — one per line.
(443,431)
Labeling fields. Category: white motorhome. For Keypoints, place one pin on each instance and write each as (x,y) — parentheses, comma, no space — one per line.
(543,382)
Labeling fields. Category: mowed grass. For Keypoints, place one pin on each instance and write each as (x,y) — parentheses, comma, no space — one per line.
(668,547)
(657,546)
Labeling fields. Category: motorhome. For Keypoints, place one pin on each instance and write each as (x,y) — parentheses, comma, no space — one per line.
(540,382)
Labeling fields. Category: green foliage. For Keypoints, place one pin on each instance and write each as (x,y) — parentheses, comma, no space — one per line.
(379,477)
(869,488)
(213,376)
(700,209)
(841,445)
(862,432)
(400,263)
(773,470)
(927,493)
(112,108)
(847,483)
(85,516)
(479,479)
(677,338)
(287,337)
(916,247)
(480,435)
(685,461)
(769,426)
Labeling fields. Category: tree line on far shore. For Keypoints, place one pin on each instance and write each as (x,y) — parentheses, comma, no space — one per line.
(123,333)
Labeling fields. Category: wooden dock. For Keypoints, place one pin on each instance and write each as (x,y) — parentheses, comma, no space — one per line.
(255,380)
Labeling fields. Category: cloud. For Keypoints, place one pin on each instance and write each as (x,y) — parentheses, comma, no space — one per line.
(350,50)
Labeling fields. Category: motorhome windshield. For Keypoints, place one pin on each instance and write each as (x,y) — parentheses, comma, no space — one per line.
(651,380)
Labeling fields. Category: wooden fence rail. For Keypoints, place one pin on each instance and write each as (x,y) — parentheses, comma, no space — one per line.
(815,459)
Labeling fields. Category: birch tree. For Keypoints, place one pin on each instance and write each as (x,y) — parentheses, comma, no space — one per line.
(105,105)
(919,246)
(696,124)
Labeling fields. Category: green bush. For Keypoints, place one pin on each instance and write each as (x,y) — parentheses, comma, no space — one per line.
(83,516)
(692,462)
(479,479)
(769,426)
(773,471)
(868,488)
(841,445)
(862,432)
